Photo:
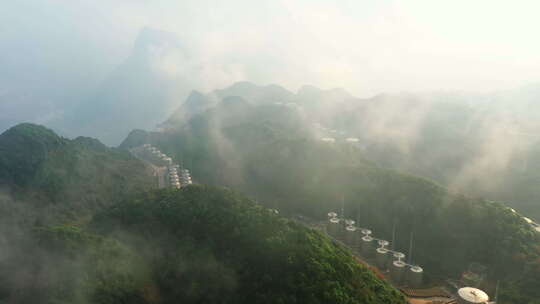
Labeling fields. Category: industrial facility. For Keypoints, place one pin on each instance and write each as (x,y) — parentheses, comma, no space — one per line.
(470,295)
(372,249)
(168,173)
(409,277)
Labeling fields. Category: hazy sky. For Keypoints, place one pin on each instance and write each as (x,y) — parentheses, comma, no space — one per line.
(367,47)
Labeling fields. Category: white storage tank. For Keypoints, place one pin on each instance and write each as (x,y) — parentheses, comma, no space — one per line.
(397,269)
(349,222)
(396,256)
(399,255)
(333,226)
(415,276)
(351,237)
(367,246)
(382,257)
(470,295)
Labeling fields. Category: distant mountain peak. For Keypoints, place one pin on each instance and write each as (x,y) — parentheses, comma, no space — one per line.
(255,93)
(23,148)
(33,133)
(194,95)
(307,88)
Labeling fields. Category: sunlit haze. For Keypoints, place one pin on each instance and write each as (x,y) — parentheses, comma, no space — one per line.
(367,47)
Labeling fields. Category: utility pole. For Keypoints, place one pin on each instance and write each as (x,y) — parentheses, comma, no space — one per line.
(343,206)
(394,236)
(411,247)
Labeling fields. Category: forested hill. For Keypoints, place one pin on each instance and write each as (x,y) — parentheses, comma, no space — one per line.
(483,145)
(270,151)
(194,245)
(76,226)
(44,176)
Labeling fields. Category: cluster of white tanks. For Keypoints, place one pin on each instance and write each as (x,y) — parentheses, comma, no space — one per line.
(333,140)
(175,177)
(328,139)
(185,177)
(361,241)
(156,156)
(179,177)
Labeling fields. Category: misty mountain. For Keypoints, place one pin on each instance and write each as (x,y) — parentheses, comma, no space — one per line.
(44,176)
(78,227)
(483,145)
(138,93)
(274,152)
(256,94)
(253,94)
(49,63)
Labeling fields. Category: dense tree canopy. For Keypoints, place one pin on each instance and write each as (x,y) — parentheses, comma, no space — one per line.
(276,158)
(195,245)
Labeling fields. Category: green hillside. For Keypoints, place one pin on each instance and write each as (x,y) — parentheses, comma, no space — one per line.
(78,227)
(279,160)
(195,245)
(45,176)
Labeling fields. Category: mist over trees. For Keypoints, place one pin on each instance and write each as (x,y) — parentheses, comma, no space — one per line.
(79,226)
(398,113)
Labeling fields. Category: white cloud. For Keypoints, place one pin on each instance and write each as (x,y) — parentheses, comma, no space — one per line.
(366,46)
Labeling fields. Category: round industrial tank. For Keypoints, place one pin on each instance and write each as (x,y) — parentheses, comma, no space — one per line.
(470,295)
(332,214)
(397,269)
(351,237)
(333,226)
(367,246)
(414,276)
(365,231)
(382,258)
(399,255)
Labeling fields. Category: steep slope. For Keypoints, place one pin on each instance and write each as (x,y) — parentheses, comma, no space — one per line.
(45,176)
(48,180)
(277,158)
(195,245)
(196,103)
(482,145)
